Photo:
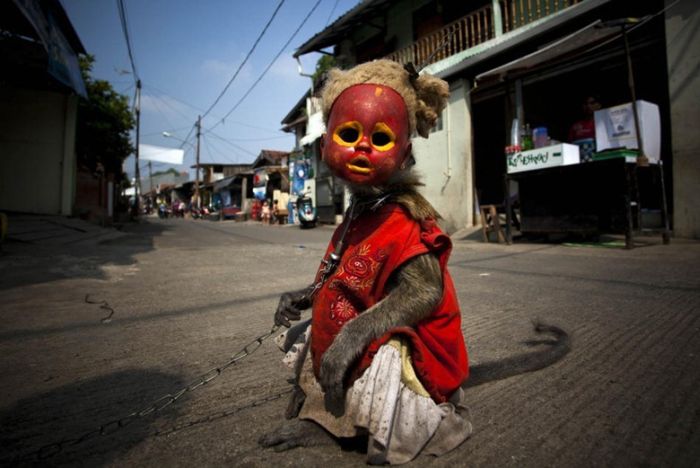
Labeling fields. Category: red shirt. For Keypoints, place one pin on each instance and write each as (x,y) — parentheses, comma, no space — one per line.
(377,243)
(581,130)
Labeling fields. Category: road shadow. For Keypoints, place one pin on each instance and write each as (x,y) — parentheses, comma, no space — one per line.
(24,263)
(62,426)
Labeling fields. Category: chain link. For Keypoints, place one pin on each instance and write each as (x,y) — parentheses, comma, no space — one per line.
(50,450)
(222,414)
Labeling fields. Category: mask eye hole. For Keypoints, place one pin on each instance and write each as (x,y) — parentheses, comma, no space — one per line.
(380,139)
(348,134)
(383,138)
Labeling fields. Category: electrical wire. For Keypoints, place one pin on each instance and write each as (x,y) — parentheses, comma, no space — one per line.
(154,100)
(250,52)
(330,15)
(279,137)
(284,47)
(125,29)
(185,140)
(209,147)
(238,147)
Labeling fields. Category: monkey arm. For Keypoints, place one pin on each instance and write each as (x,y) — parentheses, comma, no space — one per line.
(292,304)
(416,291)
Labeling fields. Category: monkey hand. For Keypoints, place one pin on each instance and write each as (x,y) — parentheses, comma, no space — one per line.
(345,349)
(331,380)
(291,305)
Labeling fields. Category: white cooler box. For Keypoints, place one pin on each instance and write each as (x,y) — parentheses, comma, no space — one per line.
(614,128)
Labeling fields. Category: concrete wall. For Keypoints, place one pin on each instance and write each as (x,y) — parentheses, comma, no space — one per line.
(444,161)
(37,151)
(683,51)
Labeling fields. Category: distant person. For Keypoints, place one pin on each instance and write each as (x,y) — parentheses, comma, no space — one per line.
(585,127)
(266,212)
(582,132)
(275,211)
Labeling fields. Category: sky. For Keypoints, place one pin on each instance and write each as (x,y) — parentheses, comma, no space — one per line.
(186,52)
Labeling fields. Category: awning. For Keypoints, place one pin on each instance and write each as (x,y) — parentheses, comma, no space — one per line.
(60,40)
(584,40)
(224,183)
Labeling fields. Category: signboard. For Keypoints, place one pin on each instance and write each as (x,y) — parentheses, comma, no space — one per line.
(161,154)
(540,158)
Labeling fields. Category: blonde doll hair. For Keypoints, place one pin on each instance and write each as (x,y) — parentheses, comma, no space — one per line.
(425,96)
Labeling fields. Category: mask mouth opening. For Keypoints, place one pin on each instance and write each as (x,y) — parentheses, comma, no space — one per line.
(360,165)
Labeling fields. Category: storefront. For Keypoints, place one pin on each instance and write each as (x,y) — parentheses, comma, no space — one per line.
(540,97)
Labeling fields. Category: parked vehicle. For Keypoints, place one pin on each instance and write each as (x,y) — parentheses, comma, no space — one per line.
(306,211)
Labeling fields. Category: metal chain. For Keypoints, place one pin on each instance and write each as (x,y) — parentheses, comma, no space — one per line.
(108,428)
(222,414)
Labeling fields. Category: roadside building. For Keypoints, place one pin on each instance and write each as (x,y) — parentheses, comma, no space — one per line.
(534,61)
(39,95)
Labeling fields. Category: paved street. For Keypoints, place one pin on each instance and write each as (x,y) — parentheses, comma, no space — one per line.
(98,326)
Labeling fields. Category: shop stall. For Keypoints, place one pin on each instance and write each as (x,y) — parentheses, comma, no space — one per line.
(610,180)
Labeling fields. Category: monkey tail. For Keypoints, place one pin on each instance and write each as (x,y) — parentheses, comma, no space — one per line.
(557,346)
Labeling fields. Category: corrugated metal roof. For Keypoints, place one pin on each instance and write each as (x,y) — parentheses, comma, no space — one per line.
(580,41)
(332,34)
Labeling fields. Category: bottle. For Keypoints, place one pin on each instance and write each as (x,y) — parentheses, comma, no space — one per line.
(526,138)
(515,132)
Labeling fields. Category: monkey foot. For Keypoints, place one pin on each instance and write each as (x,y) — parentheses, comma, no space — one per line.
(295,433)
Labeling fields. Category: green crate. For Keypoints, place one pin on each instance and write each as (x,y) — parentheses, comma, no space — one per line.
(620,153)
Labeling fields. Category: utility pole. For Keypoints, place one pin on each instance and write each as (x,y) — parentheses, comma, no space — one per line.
(642,159)
(150,177)
(137,171)
(196,177)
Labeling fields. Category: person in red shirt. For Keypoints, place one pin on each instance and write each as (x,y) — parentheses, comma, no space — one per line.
(384,355)
(585,128)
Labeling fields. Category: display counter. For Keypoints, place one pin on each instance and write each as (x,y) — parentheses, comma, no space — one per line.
(563,154)
(610,194)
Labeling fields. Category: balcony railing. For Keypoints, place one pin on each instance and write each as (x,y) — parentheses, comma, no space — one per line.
(475,28)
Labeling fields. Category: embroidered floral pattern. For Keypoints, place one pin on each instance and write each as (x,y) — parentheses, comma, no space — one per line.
(359,270)
(359,265)
(342,310)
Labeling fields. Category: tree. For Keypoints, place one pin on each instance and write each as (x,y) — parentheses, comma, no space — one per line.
(104,123)
(172,171)
(325,63)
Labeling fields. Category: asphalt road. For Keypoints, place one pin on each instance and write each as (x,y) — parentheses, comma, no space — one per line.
(95,331)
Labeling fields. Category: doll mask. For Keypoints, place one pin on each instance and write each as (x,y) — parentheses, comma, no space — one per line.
(367,138)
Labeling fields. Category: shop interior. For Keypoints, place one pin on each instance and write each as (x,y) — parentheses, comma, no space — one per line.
(552,97)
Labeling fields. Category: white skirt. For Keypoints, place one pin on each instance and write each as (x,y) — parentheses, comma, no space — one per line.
(389,404)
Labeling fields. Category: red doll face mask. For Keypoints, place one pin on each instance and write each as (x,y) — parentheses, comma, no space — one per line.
(367,138)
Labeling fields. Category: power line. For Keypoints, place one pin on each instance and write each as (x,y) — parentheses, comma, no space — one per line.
(184,140)
(160,111)
(270,65)
(238,147)
(279,137)
(125,29)
(165,93)
(192,106)
(209,149)
(332,11)
(250,52)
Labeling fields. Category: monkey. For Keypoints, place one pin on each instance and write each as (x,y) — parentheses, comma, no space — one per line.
(383,356)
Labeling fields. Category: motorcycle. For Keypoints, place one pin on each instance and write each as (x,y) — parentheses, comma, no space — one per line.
(306,211)
(163,211)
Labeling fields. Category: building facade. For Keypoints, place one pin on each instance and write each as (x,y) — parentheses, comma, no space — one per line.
(491,53)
